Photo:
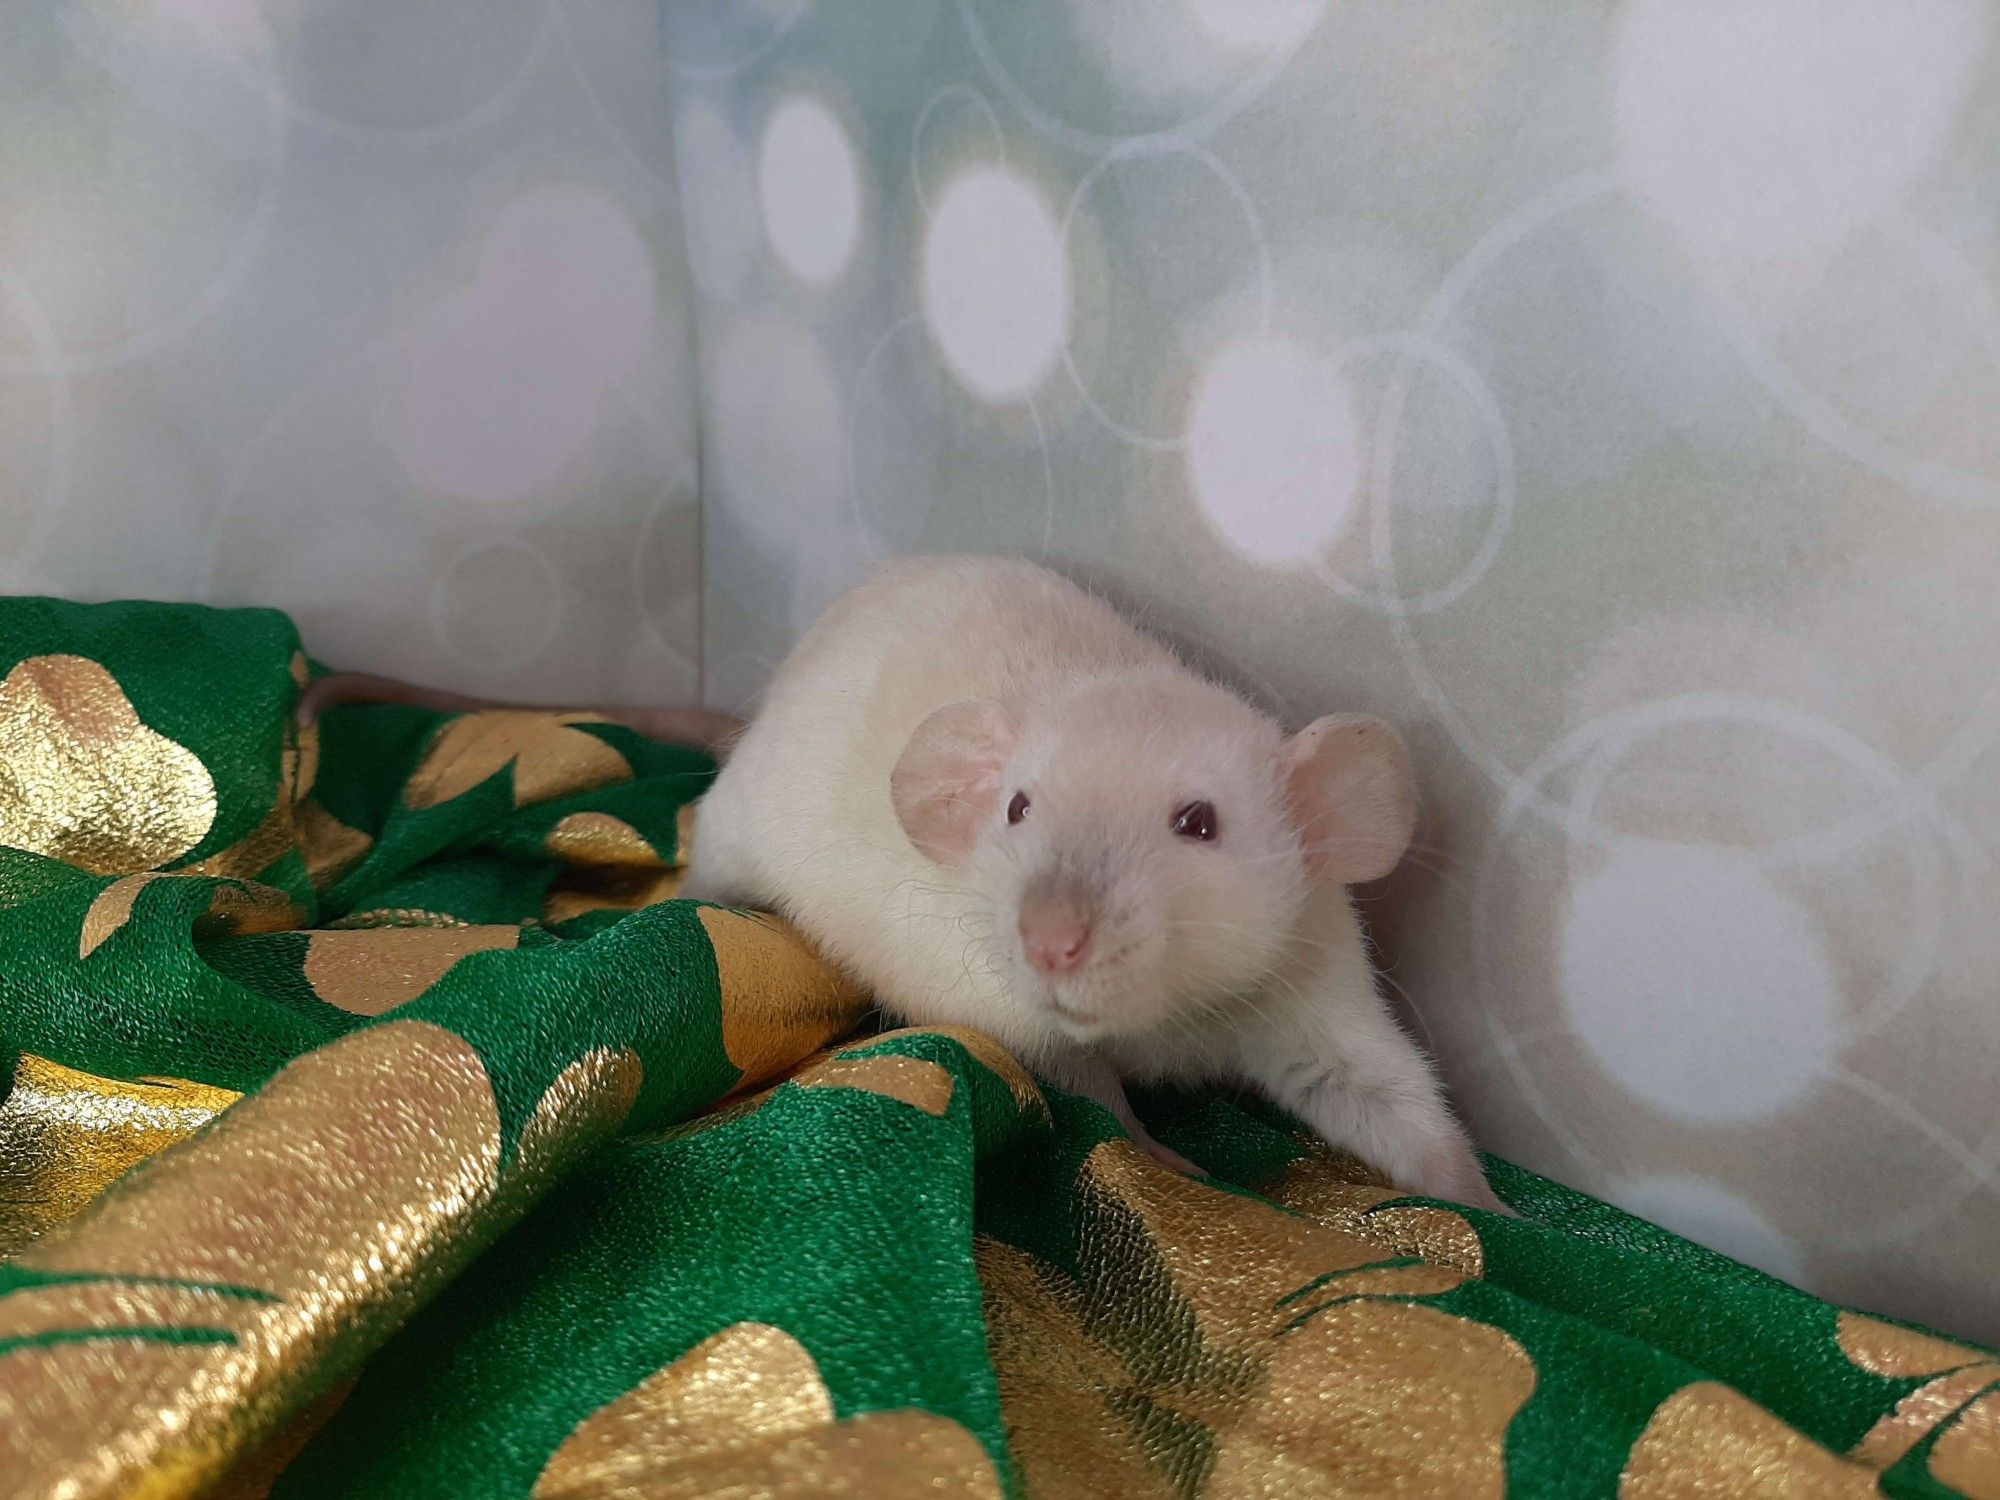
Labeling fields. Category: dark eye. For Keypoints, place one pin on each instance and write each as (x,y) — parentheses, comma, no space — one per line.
(1196,821)
(1018,808)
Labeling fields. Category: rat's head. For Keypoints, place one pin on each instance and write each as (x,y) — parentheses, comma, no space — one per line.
(1145,846)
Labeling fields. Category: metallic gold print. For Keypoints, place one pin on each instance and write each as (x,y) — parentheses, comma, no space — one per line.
(1067,1397)
(1966,1456)
(253,1476)
(1294,1378)
(395,916)
(270,841)
(890,1455)
(330,1201)
(84,781)
(107,1308)
(586,888)
(1708,1442)
(780,1002)
(245,907)
(65,1136)
(1260,1284)
(275,835)
(1375,1398)
(109,912)
(749,1381)
(1897,1353)
(746,1414)
(1237,1262)
(1321,1189)
(585,1105)
(330,847)
(989,1054)
(372,970)
(914,1081)
(595,838)
(550,758)
(241,907)
(1916,1414)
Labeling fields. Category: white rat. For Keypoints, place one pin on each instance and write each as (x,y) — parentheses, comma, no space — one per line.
(999,805)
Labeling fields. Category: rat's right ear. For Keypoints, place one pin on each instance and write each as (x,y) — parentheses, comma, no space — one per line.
(948,781)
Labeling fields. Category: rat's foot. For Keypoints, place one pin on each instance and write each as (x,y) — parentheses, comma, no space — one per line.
(1166,1156)
(1094,1079)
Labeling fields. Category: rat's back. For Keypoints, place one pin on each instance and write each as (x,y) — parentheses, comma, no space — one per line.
(800,819)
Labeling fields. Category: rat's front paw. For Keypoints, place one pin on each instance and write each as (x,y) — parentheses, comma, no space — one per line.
(1165,1156)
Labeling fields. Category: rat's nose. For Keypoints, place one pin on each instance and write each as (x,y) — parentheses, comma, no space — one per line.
(1054,937)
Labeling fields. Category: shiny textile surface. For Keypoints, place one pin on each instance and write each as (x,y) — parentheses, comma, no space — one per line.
(463,1160)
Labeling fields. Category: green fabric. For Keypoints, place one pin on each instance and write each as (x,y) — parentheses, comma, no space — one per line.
(876,1209)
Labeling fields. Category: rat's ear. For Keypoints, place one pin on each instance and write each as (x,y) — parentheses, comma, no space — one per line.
(948,780)
(1352,797)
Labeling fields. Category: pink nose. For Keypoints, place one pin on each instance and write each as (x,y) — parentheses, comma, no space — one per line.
(1055,938)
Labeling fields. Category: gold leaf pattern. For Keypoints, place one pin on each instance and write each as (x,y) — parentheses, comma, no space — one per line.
(779,1001)
(1233,1259)
(1377,1398)
(254,1476)
(84,781)
(888,1455)
(326,1198)
(275,835)
(395,916)
(241,906)
(1894,1352)
(111,1306)
(585,1105)
(595,838)
(371,970)
(109,912)
(1708,1442)
(990,1055)
(330,847)
(746,1414)
(1293,1377)
(1896,1433)
(65,1136)
(550,758)
(749,1381)
(1069,1432)
(1324,1187)
(1966,1456)
(914,1081)
(592,888)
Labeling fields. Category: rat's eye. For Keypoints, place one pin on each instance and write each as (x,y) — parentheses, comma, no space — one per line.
(1018,808)
(1196,821)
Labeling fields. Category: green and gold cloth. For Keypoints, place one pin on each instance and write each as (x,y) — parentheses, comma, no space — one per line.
(379,1124)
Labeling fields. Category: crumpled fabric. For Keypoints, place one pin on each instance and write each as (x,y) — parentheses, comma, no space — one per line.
(380,1123)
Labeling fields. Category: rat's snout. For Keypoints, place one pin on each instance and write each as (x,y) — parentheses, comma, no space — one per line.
(1055,935)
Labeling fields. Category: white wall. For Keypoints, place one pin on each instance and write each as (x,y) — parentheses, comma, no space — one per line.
(1609,395)
(377,313)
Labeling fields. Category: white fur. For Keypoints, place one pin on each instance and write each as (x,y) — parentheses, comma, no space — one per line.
(1211,961)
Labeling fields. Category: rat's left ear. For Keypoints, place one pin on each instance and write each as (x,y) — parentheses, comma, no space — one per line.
(947,782)
(1352,797)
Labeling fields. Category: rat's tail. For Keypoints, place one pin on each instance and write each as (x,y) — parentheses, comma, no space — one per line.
(703,728)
